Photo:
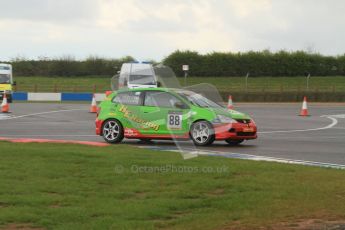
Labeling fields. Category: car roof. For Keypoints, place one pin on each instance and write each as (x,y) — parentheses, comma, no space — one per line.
(150,89)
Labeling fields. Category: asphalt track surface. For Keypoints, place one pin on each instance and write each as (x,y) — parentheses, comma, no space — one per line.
(282,134)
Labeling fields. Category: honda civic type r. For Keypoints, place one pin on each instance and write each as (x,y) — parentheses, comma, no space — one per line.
(162,113)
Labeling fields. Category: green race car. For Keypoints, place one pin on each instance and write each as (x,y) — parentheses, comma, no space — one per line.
(162,113)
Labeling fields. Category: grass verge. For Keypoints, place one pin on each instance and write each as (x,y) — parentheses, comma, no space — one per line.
(63,186)
(223,84)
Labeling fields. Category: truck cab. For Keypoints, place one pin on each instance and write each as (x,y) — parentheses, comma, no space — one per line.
(6,81)
(137,75)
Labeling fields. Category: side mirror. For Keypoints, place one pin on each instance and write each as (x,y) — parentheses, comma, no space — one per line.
(14,83)
(180,105)
(159,84)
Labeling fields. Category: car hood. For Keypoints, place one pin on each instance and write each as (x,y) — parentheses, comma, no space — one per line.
(232,113)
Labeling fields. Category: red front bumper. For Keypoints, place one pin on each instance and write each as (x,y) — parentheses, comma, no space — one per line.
(236,131)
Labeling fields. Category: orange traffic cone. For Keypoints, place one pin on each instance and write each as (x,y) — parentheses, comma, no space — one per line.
(93,108)
(230,105)
(5,108)
(304,110)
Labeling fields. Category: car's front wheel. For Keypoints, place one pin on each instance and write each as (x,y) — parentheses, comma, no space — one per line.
(234,142)
(202,133)
(112,131)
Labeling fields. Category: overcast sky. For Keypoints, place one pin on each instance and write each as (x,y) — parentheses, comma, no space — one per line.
(152,29)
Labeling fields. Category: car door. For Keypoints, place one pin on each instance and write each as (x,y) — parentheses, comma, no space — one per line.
(128,107)
(168,112)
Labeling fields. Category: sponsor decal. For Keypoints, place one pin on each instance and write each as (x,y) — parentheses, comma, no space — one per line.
(132,117)
(131,132)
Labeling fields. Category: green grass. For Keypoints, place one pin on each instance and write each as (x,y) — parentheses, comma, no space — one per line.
(224,84)
(273,84)
(81,187)
(63,84)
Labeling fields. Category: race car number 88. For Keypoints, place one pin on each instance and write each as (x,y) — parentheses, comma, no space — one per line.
(174,121)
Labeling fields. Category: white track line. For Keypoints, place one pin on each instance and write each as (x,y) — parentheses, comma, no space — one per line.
(335,115)
(272,159)
(334,123)
(244,156)
(42,113)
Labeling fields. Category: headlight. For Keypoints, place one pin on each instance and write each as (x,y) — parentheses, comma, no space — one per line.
(223,119)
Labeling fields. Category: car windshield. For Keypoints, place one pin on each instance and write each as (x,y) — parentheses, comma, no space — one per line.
(142,79)
(198,100)
(4,79)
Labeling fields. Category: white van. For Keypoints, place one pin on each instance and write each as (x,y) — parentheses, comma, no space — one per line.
(137,75)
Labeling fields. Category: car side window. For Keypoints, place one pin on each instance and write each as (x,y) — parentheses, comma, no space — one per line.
(128,98)
(160,99)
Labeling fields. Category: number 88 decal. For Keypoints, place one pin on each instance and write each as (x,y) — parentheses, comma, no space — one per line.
(174,121)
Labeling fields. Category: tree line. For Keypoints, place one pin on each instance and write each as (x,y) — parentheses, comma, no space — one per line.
(68,66)
(262,63)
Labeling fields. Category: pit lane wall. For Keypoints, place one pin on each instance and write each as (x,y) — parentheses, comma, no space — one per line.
(27,96)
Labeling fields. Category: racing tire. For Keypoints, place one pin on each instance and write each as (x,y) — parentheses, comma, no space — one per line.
(112,131)
(202,133)
(233,142)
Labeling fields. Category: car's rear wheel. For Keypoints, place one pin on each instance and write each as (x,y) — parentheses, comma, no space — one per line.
(112,131)
(202,133)
(234,142)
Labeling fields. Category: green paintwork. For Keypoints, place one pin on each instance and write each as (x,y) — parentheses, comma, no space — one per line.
(145,119)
